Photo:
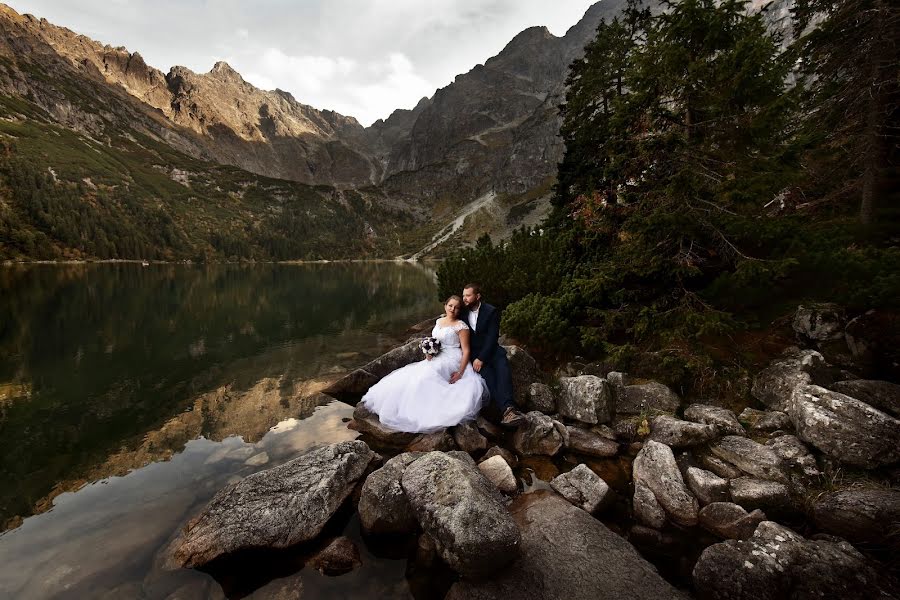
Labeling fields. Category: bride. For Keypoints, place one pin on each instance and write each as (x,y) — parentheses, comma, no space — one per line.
(434,393)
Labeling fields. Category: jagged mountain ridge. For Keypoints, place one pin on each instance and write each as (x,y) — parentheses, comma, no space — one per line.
(493,131)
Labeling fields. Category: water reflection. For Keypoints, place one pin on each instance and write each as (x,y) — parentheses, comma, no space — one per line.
(106,368)
(109,538)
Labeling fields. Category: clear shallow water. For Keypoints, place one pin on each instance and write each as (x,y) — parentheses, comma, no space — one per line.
(130,395)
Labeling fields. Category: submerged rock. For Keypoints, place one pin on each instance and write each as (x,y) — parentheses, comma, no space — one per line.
(340,556)
(587,399)
(276,508)
(583,488)
(655,468)
(844,428)
(463,512)
(721,418)
(777,563)
(568,554)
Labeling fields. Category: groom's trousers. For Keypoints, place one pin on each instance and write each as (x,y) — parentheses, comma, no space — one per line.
(498,378)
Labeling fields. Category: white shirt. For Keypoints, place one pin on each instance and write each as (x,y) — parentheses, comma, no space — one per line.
(473,317)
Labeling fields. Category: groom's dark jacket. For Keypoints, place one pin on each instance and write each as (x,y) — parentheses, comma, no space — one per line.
(484,344)
(485,341)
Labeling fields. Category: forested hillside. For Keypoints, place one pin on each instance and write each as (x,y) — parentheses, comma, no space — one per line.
(711,182)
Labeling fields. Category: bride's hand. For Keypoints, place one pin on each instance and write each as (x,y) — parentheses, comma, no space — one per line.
(455,377)
(428,357)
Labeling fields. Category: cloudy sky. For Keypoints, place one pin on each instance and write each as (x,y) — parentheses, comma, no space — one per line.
(359,57)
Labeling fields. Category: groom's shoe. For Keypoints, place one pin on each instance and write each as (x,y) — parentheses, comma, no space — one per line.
(512,418)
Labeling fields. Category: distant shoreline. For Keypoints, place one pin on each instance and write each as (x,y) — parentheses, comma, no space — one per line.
(13,263)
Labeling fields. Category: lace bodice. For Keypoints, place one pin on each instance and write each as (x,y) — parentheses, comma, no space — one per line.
(448,335)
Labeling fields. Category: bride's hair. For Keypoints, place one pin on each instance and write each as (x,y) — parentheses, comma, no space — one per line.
(453,297)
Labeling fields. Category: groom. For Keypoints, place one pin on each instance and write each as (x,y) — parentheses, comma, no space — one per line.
(488,356)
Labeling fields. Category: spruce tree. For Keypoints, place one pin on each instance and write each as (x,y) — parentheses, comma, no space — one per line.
(850,58)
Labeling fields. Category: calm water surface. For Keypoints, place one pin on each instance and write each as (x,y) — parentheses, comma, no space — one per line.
(129,395)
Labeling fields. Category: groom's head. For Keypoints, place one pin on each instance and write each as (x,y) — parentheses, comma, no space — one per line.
(472,295)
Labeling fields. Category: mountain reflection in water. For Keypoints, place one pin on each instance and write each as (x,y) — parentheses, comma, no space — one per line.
(107,368)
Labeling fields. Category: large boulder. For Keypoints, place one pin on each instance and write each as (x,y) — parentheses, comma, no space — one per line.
(275,508)
(709,461)
(647,509)
(368,424)
(524,371)
(883,395)
(539,435)
(356,383)
(844,428)
(568,554)
(655,468)
(383,507)
(777,563)
(819,322)
(873,339)
(751,457)
(583,488)
(586,398)
(752,493)
(730,521)
(647,398)
(721,418)
(463,512)
(860,515)
(584,441)
(774,385)
(795,454)
(540,398)
(676,433)
(706,486)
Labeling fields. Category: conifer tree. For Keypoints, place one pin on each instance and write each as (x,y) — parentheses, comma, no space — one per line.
(850,56)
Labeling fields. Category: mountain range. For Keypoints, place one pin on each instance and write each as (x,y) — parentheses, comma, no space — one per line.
(477,157)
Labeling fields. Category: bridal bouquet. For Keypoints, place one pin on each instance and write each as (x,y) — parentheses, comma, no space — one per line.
(430,346)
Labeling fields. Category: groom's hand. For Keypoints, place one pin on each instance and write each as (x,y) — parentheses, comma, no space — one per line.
(476,364)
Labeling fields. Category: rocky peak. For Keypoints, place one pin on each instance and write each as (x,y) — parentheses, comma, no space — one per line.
(222,70)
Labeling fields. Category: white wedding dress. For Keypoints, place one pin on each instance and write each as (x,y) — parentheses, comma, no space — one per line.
(420,398)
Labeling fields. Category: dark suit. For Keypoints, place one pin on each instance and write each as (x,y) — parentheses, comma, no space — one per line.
(485,346)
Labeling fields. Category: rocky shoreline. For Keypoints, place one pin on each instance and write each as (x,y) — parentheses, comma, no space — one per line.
(798,500)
